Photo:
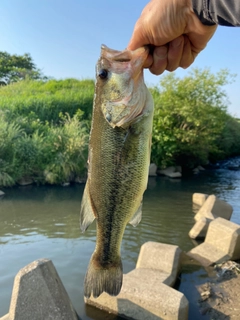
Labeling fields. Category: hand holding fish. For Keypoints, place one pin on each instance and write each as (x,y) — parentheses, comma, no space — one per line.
(175,32)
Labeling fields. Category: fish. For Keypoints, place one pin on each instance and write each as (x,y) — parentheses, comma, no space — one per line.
(118,162)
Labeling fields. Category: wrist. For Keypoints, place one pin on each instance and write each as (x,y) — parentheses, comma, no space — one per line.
(198,33)
(200,8)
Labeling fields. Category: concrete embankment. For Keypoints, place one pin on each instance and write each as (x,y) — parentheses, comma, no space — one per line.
(209,208)
(38,294)
(222,237)
(147,292)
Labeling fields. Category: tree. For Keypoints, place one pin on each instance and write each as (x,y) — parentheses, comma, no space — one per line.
(14,68)
(190,116)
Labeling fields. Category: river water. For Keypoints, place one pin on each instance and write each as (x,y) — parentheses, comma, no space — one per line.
(43,222)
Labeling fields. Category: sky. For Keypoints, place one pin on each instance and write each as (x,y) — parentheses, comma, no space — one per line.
(64,37)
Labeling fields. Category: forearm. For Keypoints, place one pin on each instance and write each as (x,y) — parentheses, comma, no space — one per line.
(222,12)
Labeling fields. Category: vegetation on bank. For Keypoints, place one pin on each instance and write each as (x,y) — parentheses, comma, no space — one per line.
(44,128)
(191,125)
(44,125)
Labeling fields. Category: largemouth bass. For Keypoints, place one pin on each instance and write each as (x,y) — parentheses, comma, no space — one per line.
(118,163)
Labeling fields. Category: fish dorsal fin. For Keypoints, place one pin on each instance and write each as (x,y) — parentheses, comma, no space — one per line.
(86,212)
(136,217)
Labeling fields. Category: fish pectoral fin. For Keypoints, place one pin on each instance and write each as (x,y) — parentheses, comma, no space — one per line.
(136,217)
(86,212)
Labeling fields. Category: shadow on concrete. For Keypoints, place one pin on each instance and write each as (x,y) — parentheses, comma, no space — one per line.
(138,312)
(97,314)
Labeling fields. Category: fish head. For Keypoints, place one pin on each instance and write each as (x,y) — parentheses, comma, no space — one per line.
(119,82)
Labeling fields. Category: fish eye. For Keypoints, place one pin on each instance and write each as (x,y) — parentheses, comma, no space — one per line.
(103,73)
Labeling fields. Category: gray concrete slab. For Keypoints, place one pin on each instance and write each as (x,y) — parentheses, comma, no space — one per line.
(144,297)
(38,294)
(207,254)
(213,208)
(199,198)
(171,172)
(224,235)
(200,228)
(222,243)
(162,257)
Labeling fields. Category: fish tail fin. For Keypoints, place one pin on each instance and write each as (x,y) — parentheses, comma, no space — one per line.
(103,278)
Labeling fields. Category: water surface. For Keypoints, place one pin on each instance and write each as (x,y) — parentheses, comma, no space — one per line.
(43,222)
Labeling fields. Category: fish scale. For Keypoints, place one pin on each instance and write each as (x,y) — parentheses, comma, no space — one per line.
(119,156)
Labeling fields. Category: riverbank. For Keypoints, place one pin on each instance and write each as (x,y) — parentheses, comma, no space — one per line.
(45,125)
(220,297)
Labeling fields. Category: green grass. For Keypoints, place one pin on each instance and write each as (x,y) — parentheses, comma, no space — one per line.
(44,130)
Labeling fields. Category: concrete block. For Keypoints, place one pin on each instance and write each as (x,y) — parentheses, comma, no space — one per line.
(150,275)
(207,254)
(175,175)
(225,235)
(172,172)
(144,297)
(38,293)
(162,257)
(199,198)
(214,207)
(200,228)
(222,243)
(152,172)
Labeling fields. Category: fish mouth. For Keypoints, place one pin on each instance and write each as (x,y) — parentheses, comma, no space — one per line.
(125,95)
(135,58)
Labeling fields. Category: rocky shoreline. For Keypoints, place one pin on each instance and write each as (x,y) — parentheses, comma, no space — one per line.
(220,297)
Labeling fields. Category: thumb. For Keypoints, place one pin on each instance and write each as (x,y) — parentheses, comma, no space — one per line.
(138,38)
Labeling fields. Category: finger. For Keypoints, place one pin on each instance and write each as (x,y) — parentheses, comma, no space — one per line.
(188,56)
(148,62)
(159,64)
(175,51)
(138,37)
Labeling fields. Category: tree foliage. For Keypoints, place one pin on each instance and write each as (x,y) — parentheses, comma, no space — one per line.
(14,68)
(190,118)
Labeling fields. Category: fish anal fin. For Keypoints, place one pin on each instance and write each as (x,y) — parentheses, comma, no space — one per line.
(86,212)
(136,217)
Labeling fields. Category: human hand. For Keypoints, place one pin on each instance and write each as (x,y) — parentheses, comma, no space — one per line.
(174,31)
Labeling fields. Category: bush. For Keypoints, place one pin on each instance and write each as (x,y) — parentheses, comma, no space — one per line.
(44,130)
(68,149)
(191,123)
(228,141)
